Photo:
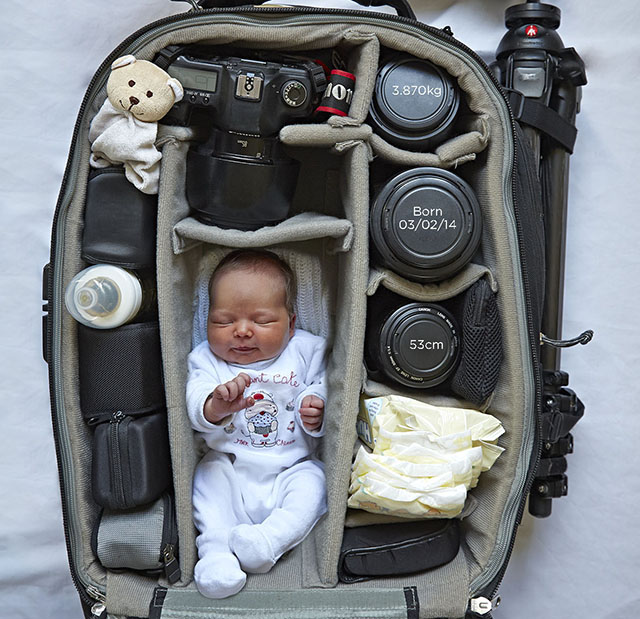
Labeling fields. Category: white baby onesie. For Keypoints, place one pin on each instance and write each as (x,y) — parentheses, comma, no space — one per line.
(259,491)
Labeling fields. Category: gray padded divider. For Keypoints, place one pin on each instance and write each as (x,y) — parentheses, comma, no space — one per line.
(344,373)
(174,277)
(302,227)
(452,153)
(438,291)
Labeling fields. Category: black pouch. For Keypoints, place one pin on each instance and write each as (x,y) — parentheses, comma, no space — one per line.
(477,373)
(143,539)
(396,549)
(120,370)
(131,460)
(119,222)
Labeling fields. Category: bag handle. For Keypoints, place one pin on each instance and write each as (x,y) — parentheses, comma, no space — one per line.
(402,7)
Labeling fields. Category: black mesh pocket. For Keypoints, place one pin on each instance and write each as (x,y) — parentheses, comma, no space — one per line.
(477,374)
(120,370)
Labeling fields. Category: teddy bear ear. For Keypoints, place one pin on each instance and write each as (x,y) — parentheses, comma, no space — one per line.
(176,86)
(123,61)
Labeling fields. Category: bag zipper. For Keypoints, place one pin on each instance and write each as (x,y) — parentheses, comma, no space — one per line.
(115,459)
(445,36)
(168,559)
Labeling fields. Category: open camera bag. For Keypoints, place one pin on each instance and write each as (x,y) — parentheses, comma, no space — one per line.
(327,245)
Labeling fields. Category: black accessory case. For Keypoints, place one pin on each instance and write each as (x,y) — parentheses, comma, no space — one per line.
(120,222)
(131,462)
(395,549)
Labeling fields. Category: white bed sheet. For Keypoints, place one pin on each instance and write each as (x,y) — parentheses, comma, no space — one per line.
(581,562)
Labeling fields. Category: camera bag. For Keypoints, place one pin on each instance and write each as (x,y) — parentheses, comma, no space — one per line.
(326,240)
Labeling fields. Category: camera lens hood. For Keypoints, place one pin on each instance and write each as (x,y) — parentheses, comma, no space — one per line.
(414,103)
(229,190)
(418,345)
(425,224)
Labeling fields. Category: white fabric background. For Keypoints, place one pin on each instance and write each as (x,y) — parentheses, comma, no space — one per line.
(581,562)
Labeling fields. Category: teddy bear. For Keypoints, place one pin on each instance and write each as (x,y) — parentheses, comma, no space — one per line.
(124,131)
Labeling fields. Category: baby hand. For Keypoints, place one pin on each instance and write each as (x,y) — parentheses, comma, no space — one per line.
(228,398)
(311,412)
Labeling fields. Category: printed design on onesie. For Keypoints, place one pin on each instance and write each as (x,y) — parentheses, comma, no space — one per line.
(261,420)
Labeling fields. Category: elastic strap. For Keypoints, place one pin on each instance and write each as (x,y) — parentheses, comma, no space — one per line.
(543,118)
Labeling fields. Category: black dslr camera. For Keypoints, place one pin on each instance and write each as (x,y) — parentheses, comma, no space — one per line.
(240,176)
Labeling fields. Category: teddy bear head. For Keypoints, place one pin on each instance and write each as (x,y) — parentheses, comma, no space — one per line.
(142,88)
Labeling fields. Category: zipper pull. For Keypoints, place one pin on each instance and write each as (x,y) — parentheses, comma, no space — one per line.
(583,338)
(171,564)
(99,608)
(482,606)
(117,417)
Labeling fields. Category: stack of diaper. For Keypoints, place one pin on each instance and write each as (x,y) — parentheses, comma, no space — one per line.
(424,460)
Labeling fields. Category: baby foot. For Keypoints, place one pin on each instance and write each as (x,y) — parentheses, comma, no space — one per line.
(218,575)
(252,548)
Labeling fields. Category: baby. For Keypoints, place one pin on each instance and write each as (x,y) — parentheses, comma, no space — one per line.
(259,490)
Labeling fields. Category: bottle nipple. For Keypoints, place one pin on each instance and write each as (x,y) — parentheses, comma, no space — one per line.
(98,297)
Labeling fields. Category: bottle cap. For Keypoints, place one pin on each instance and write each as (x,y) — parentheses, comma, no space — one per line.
(104,296)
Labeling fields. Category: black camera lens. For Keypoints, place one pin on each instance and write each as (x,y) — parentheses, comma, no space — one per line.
(414,103)
(247,184)
(425,224)
(416,345)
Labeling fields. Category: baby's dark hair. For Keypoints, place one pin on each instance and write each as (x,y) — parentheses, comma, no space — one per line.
(257,260)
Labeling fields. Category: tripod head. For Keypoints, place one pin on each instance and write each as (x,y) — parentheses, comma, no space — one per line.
(531,57)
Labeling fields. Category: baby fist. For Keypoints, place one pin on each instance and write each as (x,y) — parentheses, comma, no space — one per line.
(312,412)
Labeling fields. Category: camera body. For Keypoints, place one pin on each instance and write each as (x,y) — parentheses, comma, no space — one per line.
(241,176)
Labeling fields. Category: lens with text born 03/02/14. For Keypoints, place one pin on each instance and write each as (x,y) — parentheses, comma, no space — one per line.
(425,224)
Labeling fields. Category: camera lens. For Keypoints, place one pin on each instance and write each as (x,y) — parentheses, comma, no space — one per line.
(414,103)
(416,345)
(425,224)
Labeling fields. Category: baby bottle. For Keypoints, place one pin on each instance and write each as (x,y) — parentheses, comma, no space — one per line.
(105,296)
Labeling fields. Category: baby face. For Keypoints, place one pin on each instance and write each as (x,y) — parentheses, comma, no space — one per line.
(248,320)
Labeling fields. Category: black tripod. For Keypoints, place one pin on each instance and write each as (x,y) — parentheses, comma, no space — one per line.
(544,80)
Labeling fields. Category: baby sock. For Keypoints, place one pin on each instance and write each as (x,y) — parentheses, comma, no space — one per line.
(218,575)
(253,548)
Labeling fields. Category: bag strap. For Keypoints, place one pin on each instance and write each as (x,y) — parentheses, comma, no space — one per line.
(402,7)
